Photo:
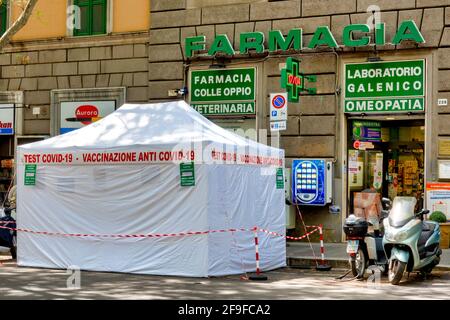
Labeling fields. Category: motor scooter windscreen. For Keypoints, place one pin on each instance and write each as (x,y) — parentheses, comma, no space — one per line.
(402,211)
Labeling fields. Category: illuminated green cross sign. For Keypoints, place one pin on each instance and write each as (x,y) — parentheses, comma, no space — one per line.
(292,80)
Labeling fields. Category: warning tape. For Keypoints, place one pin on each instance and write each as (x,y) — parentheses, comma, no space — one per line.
(289,237)
(7,222)
(154,235)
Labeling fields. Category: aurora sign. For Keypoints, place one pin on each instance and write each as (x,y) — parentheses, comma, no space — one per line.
(277,42)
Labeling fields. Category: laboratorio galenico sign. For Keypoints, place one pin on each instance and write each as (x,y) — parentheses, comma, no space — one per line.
(385,87)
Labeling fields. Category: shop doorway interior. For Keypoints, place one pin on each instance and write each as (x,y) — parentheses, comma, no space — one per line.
(385,159)
(7,165)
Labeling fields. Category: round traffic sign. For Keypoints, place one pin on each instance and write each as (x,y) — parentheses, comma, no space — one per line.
(278,101)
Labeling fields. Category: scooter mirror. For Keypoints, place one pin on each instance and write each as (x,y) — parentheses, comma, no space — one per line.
(386,203)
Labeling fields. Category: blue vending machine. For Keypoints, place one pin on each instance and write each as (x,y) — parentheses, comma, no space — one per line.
(311,182)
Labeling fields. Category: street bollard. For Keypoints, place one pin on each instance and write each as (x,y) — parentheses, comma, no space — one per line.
(322,266)
(258,276)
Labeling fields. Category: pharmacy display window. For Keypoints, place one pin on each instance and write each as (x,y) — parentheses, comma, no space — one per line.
(385,159)
(7,131)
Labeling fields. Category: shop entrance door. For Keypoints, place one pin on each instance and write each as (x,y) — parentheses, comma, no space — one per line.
(385,159)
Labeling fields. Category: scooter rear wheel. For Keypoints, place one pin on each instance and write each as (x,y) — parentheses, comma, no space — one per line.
(358,264)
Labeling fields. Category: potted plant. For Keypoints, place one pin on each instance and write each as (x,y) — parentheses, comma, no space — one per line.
(440,217)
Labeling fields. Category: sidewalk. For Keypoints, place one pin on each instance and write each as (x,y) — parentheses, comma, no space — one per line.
(300,254)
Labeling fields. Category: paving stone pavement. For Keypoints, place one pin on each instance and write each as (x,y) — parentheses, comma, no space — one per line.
(283,284)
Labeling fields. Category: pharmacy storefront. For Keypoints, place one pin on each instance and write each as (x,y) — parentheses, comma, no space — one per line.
(366,116)
(385,139)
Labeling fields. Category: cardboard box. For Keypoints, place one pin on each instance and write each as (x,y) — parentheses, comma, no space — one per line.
(368,205)
(359,213)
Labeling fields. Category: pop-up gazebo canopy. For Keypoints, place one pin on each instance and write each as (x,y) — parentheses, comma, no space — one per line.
(144,170)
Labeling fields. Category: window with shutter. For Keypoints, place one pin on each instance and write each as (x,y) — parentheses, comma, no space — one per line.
(93,16)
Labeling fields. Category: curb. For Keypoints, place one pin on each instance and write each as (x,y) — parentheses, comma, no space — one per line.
(442,268)
(309,262)
(306,262)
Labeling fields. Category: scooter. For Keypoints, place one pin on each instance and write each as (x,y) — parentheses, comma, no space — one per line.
(366,249)
(8,238)
(411,243)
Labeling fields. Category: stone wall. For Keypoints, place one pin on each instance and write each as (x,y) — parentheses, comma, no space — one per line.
(173,21)
(313,123)
(38,67)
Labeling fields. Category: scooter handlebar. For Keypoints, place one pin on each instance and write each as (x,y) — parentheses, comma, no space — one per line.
(421,213)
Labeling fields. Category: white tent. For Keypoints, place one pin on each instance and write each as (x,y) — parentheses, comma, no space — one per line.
(121,176)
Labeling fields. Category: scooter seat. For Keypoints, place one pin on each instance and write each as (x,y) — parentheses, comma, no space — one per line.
(426,226)
(427,232)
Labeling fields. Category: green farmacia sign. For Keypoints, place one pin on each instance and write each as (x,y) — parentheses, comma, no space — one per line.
(292,80)
(277,42)
(227,108)
(392,86)
(223,91)
(223,85)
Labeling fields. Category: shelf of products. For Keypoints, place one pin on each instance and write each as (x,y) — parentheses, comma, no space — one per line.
(6,176)
(406,173)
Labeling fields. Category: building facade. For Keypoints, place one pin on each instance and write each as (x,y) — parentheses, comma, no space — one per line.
(379,113)
(65,58)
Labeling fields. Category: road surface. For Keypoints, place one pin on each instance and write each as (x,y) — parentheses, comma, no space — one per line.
(30,283)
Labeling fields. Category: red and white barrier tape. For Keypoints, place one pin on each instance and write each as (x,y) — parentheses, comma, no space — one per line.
(179,234)
(288,237)
(159,235)
(154,235)
(7,222)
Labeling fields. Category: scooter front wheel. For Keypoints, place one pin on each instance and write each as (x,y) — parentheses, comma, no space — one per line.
(358,264)
(396,269)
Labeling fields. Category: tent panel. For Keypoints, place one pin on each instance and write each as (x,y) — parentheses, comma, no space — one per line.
(170,256)
(124,200)
(244,197)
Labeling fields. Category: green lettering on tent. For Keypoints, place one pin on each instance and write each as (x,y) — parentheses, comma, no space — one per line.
(221,44)
(347,37)
(292,40)
(194,44)
(408,31)
(257,43)
(323,37)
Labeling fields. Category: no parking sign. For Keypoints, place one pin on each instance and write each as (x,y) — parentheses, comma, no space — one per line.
(278,107)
